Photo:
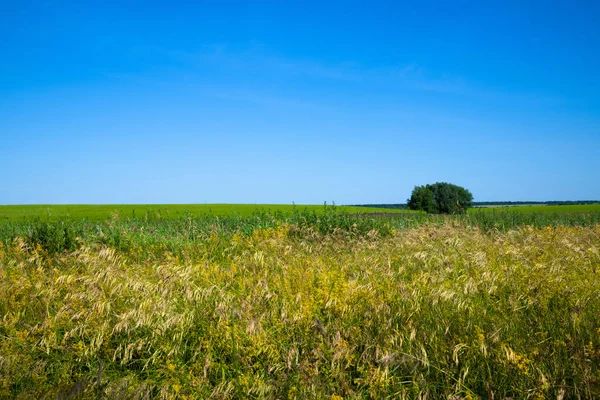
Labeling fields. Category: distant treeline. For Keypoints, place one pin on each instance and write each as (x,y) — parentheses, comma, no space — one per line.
(525,203)
(495,203)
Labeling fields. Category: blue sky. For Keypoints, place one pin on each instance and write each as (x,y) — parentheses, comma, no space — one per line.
(305,102)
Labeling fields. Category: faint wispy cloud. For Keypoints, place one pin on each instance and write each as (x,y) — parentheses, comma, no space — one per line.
(255,61)
(253,58)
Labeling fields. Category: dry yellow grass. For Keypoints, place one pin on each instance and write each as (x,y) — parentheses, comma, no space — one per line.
(438,311)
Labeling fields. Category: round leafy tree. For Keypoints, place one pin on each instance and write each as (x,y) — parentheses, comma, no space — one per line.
(440,198)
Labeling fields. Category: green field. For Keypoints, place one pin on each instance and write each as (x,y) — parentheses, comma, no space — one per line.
(167,211)
(98,212)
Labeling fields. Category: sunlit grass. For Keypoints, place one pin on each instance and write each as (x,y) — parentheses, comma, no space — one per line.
(318,308)
(98,212)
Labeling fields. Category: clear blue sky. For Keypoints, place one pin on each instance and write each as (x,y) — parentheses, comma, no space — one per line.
(280,102)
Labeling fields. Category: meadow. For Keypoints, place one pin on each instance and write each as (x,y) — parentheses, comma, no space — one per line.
(301,304)
(98,212)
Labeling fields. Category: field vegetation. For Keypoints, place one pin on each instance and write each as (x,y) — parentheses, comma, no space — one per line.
(303,304)
(97,212)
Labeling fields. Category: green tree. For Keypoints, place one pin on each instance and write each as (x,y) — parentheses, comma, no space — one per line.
(422,198)
(440,198)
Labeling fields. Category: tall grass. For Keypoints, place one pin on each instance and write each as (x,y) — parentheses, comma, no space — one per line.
(56,235)
(300,306)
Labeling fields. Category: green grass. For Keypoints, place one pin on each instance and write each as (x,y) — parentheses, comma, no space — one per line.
(58,233)
(99,212)
(166,211)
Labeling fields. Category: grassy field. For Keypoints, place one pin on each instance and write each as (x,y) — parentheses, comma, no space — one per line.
(301,305)
(169,211)
(175,211)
